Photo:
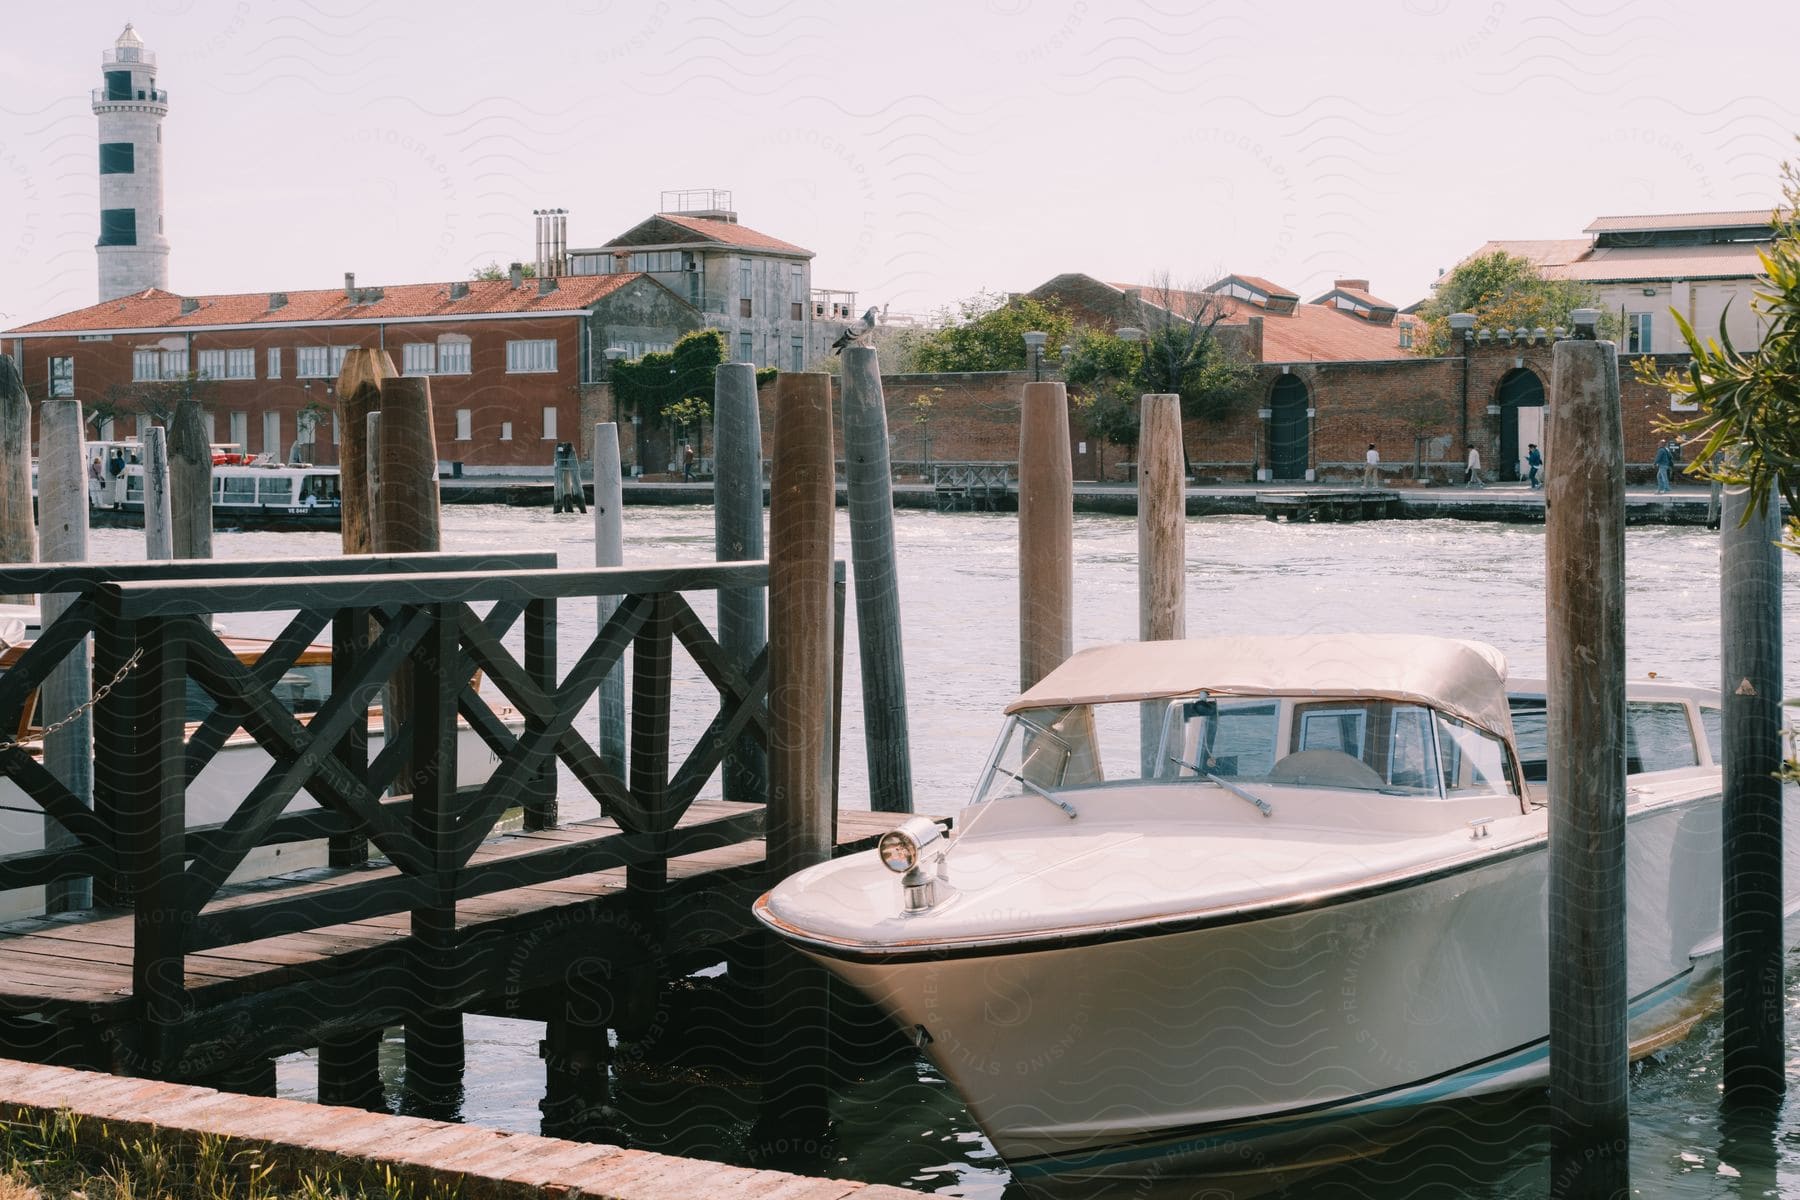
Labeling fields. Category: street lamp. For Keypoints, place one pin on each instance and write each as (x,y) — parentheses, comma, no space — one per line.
(1034,342)
(1066,353)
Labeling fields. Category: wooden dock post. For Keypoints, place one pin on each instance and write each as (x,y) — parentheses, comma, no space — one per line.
(738,537)
(1750,662)
(871,487)
(1046,533)
(1584,578)
(406,511)
(577,1100)
(1162,542)
(350,1071)
(159,531)
(63,534)
(802,520)
(190,482)
(565,483)
(359,397)
(18,524)
(609,551)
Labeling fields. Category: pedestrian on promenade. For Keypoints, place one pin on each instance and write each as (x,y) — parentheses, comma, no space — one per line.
(1666,458)
(1474,479)
(687,461)
(1534,462)
(1371,466)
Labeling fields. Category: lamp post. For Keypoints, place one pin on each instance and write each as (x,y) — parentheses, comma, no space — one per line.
(613,355)
(1066,353)
(1034,343)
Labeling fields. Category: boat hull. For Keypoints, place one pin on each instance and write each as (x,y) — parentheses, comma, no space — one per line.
(1207,1047)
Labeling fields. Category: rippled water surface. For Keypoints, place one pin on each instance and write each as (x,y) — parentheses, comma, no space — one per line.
(958,592)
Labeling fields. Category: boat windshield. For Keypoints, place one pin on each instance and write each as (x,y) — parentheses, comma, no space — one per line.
(1361,744)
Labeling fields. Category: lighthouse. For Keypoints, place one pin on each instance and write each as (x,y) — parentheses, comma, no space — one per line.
(133,252)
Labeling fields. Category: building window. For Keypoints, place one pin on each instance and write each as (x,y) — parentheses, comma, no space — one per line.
(453,354)
(149,365)
(117,158)
(531,357)
(1637,333)
(312,362)
(240,430)
(663,261)
(797,354)
(62,377)
(549,424)
(274,362)
(506,431)
(1406,337)
(338,355)
(240,364)
(271,435)
(464,421)
(796,311)
(799,283)
(746,348)
(418,358)
(744,278)
(118,85)
(118,227)
(744,307)
(212,364)
(212,426)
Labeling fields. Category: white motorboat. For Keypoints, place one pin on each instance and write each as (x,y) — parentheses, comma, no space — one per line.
(248,491)
(231,774)
(1216,902)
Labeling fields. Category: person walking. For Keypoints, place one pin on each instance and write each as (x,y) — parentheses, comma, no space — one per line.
(1534,464)
(687,461)
(1371,467)
(1474,479)
(1665,462)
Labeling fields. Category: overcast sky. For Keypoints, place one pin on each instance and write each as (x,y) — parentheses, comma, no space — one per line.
(923,150)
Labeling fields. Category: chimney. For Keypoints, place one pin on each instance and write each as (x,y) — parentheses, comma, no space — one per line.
(188,305)
(459,291)
(517,274)
(562,241)
(350,286)
(1355,285)
(538,221)
(277,300)
(546,284)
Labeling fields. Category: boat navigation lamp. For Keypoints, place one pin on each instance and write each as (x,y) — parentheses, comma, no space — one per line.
(900,848)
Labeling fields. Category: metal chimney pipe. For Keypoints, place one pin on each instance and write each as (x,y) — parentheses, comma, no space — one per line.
(350,286)
(537,238)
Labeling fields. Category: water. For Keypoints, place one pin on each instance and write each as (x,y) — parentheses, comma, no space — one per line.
(958,593)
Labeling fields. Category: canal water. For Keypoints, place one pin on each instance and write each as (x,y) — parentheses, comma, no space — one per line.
(958,577)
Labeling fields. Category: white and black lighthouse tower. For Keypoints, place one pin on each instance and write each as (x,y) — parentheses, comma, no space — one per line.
(133,252)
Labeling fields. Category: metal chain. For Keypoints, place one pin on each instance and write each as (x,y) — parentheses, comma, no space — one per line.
(100,693)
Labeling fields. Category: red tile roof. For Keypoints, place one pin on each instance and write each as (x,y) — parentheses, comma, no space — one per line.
(1739,218)
(1264,286)
(693,230)
(1310,333)
(157,309)
(1366,299)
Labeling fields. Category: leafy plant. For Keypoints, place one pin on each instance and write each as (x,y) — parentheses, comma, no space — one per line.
(988,334)
(1503,291)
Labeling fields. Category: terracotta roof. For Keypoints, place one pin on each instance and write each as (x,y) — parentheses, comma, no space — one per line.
(1184,304)
(1262,285)
(1541,252)
(1366,299)
(157,309)
(1742,218)
(1311,333)
(1608,263)
(696,230)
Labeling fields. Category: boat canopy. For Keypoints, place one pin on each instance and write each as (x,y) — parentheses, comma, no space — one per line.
(1465,679)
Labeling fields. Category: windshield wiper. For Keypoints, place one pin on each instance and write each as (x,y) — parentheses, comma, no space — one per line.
(1262,806)
(1059,802)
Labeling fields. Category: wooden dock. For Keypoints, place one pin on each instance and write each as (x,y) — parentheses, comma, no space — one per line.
(1328,504)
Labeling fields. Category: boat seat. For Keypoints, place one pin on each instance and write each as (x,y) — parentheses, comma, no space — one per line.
(1325,768)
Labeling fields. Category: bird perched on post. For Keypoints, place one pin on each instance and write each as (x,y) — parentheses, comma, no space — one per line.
(853,334)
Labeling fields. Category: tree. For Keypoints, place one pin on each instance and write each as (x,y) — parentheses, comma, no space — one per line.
(1750,402)
(1183,354)
(494,271)
(670,388)
(1102,374)
(988,334)
(1503,291)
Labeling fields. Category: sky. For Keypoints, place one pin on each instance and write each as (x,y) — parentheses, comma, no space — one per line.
(925,150)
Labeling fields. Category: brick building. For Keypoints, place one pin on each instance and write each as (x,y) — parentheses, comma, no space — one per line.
(509,360)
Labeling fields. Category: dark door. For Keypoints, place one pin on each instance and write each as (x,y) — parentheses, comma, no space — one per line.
(1518,389)
(1289,447)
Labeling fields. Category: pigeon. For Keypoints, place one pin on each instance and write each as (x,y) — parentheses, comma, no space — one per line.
(852,334)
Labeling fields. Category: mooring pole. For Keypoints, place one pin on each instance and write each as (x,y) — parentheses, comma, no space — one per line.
(190,482)
(1584,577)
(871,485)
(802,513)
(359,398)
(370,470)
(1162,542)
(63,530)
(18,524)
(1750,661)
(609,551)
(1046,533)
(159,531)
(738,537)
(350,1070)
(565,489)
(406,514)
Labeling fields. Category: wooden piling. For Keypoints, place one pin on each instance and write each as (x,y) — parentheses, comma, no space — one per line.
(577,1100)
(1162,542)
(359,395)
(159,531)
(350,1071)
(406,511)
(190,482)
(802,514)
(1750,661)
(565,485)
(1046,533)
(63,534)
(1585,602)
(18,524)
(370,470)
(871,489)
(609,551)
(738,537)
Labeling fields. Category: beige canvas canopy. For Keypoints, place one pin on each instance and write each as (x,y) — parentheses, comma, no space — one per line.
(1465,679)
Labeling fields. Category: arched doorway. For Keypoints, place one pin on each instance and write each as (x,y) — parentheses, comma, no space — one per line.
(1521,400)
(1289,429)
